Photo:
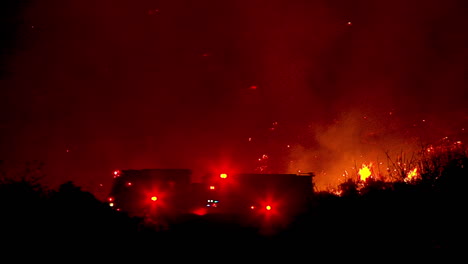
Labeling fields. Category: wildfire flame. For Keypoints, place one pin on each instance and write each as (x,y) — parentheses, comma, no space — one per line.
(412,174)
(365,172)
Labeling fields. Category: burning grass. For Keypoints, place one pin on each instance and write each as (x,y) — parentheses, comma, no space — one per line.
(442,163)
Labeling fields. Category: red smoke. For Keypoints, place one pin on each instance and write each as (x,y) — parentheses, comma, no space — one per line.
(277,86)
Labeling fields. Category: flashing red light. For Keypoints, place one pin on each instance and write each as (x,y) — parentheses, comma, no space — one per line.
(110,199)
(268,207)
(212,187)
(223,175)
(252,207)
(116,173)
(129,184)
(154,198)
(200,211)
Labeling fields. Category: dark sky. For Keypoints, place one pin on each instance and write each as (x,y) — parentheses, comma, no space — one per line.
(247,85)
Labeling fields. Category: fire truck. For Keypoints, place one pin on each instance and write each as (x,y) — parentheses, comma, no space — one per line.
(168,194)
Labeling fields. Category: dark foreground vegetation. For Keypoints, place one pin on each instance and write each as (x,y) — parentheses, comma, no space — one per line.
(375,217)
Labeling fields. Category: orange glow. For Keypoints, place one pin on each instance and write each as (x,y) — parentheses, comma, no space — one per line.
(365,171)
(154,198)
(223,175)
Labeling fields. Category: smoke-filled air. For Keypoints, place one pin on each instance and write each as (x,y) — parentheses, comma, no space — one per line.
(342,89)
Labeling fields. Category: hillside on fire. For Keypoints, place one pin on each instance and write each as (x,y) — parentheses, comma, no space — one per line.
(417,211)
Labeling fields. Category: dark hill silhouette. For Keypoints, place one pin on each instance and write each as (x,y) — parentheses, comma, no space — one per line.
(422,216)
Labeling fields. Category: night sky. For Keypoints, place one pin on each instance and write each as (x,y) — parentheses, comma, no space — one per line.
(89,86)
